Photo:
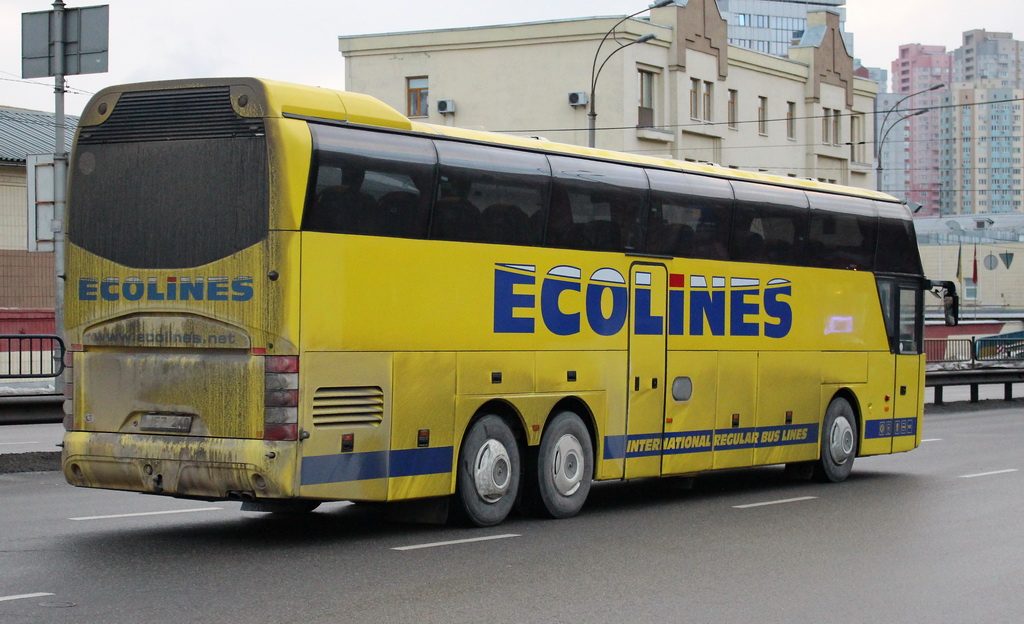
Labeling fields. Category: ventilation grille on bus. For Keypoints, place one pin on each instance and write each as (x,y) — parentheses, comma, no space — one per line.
(348,406)
(172,115)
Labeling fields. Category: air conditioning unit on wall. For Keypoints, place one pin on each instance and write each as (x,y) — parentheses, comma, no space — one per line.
(446,107)
(578,98)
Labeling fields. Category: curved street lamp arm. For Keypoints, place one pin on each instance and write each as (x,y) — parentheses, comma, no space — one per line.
(895,106)
(593,65)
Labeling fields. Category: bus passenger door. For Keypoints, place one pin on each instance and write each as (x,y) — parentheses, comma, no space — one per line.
(645,411)
(909,384)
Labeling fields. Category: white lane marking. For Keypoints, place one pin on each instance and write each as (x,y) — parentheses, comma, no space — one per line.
(16,443)
(932,440)
(986,474)
(148,513)
(461,541)
(776,502)
(20,596)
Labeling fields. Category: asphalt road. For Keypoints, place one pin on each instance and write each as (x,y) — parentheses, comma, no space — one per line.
(929,536)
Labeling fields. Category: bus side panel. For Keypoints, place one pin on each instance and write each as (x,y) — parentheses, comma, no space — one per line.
(909,406)
(345,394)
(877,406)
(597,378)
(735,432)
(690,422)
(424,403)
(789,409)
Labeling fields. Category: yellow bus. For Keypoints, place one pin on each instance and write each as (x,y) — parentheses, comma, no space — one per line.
(285,295)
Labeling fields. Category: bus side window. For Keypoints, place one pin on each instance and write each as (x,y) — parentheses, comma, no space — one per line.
(342,206)
(770,224)
(690,215)
(370,183)
(455,216)
(887,298)
(605,202)
(909,338)
(843,232)
(490,195)
(897,242)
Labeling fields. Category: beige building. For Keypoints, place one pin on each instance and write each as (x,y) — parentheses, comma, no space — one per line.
(27,279)
(987,247)
(683,93)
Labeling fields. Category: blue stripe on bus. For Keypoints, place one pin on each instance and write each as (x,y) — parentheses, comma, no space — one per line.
(375,465)
(890,428)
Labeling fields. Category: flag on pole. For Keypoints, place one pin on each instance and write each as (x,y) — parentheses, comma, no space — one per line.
(975,277)
(960,263)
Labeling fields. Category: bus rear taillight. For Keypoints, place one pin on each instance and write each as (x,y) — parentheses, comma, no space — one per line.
(69,388)
(281,398)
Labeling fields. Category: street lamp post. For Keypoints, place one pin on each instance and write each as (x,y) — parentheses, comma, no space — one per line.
(884,132)
(595,71)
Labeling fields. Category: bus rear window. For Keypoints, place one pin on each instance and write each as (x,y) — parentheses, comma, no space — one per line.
(172,179)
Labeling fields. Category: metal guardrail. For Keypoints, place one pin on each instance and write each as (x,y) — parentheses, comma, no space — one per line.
(31,356)
(974,351)
(974,362)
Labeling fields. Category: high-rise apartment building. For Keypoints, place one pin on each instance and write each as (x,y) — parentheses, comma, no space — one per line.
(995,57)
(771,26)
(981,156)
(962,155)
(981,127)
(924,74)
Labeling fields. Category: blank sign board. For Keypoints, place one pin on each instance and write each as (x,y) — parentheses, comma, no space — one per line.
(85,40)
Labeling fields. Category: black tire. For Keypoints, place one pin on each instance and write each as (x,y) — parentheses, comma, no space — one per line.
(565,466)
(838,442)
(488,473)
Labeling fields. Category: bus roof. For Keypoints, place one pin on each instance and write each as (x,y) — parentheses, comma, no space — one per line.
(282,99)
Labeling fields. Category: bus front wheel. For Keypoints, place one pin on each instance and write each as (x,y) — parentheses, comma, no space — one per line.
(838,442)
(565,466)
(488,473)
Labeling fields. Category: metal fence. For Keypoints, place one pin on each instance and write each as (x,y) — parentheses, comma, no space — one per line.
(31,356)
(974,350)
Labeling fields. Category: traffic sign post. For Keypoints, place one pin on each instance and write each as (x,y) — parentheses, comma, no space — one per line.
(60,43)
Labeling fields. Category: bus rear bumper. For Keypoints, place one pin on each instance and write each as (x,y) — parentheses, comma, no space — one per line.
(182,466)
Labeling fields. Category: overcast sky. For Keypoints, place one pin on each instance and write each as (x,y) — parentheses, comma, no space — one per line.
(296,40)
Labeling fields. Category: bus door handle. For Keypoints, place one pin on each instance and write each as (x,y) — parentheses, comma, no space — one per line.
(636,383)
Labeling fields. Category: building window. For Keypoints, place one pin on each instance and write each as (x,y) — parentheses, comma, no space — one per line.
(836,136)
(733,108)
(857,152)
(970,289)
(694,98)
(762,115)
(708,101)
(826,126)
(645,99)
(416,96)
(790,120)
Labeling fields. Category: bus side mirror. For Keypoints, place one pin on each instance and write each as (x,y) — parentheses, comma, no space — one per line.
(950,300)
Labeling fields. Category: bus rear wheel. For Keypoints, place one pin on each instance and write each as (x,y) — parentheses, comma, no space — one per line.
(838,442)
(565,466)
(488,472)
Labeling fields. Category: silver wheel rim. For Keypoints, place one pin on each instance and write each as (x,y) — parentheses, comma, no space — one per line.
(841,440)
(567,465)
(491,471)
